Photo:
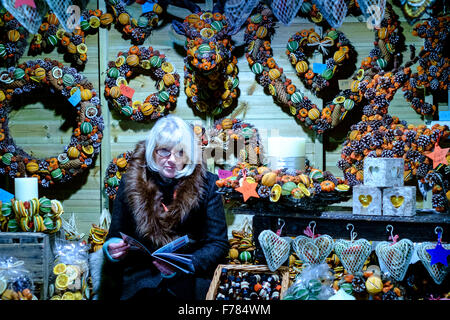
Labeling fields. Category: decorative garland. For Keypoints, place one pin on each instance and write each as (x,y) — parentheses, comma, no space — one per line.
(85,142)
(116,168)
(135,29)
(142,60)
(36,215)
(51,35)
(334,45)
(306,189)
(13,39)
(210,70)
(434,68)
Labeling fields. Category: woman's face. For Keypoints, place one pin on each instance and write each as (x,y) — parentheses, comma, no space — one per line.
(169,161)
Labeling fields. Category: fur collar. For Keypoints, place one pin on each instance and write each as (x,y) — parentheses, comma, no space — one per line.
(144,198)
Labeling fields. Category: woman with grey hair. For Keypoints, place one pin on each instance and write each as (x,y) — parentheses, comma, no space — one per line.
(166,193)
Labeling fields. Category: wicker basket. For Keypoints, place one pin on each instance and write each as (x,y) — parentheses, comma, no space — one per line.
(283,272)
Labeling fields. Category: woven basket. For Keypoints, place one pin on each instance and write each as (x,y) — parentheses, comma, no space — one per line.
(283,272)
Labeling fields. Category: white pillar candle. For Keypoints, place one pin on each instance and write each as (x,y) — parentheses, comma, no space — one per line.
(25,189)
(286,147)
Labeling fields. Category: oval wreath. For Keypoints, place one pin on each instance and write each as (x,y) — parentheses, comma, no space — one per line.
(84,145)
(142,60)
(13,40)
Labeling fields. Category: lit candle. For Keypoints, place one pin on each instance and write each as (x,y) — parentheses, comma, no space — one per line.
(25,189)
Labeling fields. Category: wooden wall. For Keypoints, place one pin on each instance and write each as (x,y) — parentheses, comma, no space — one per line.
(39,128)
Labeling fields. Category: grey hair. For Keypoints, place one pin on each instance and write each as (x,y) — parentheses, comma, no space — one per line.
(168,132)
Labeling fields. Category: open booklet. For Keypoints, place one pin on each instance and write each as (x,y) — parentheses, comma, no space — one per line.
(166,253)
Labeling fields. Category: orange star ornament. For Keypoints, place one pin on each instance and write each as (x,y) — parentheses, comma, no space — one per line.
(438,156)
(248,189)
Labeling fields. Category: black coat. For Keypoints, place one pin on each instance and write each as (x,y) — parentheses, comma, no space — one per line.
(205,224)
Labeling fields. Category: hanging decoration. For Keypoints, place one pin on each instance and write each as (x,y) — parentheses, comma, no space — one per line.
(147,61)
(334,46)
(285,10)
(136,29)
(84,145)
(334,11)
(310,11)
(352,253)
(26,12)
(210,70)
(313,249)
(275,248)
(415,9)
(116,168)
(13,39)
(237,12)
(395,255)
(434,257)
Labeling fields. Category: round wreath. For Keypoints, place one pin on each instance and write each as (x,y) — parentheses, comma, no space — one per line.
(142,60)
(210,71)
(13,39)
(85,142)
(136,29)
(51,35)
(334,45)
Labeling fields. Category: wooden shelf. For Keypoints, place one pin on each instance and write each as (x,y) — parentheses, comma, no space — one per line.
(418,228)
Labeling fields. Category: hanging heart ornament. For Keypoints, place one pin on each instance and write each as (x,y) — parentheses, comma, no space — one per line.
(313,251)
(396,256)
(437,271)
(275,249)
(352,254)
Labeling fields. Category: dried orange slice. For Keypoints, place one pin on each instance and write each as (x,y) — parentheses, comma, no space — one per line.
(167,67)
(119,61)
(342,187)
(56,297)
(304,189)
(59,268)
(275,193)
(78,296)
(72,272)
(62,281)
(68,296)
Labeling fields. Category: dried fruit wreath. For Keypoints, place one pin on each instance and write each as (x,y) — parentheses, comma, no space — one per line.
(210,71)
(13,39)
(142,60)
(260,29)
(222,136)
(379,134)
(84,145)
(51,34)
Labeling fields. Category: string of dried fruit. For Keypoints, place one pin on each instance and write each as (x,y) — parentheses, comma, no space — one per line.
(210,70)
(433,71)
(84,146)
(116,168)
(334,45)
(13,39)
(52,35)
(135,29)
(147,61)
(242,247)
(286,183)
(258,34)
(232,137)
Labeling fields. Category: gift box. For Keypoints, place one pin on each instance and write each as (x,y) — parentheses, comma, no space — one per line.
(399,201)
(383,172)
(367,200)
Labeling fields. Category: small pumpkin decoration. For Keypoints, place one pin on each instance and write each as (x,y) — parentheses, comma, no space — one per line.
(327,186)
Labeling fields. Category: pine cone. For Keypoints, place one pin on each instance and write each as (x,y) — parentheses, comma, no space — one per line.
(384,52)
(258,44)
(281,91)
(335,115)
(72,164)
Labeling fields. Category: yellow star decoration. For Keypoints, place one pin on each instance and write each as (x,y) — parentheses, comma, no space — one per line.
(248,189)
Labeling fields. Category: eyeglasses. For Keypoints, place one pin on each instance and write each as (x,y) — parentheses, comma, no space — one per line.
(167,153)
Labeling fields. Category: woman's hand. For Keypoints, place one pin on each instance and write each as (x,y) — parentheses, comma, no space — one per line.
(165,268)
(118,250)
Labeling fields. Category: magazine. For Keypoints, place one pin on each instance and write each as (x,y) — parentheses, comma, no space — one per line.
(166,253)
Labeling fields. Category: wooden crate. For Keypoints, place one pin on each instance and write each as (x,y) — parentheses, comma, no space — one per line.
(283,272)
(34,249)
